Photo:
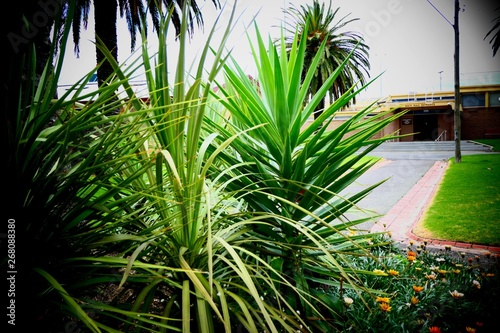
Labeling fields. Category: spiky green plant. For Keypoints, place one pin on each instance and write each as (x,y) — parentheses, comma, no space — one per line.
(294,170)
(160,231)
(63,156)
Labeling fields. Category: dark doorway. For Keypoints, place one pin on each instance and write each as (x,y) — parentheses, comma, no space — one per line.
(425,127)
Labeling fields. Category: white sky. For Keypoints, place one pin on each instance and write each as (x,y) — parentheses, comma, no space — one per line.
(408,39)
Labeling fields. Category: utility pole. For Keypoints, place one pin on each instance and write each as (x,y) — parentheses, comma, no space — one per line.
(457,129)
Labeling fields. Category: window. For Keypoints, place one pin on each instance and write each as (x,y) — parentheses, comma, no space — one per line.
(494,99)
(473,100)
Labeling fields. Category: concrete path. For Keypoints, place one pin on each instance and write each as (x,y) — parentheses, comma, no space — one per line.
(413,172)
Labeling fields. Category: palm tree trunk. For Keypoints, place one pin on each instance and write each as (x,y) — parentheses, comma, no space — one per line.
(105,15)
(321,106)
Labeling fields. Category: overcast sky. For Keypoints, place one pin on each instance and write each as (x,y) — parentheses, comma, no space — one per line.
(411,40)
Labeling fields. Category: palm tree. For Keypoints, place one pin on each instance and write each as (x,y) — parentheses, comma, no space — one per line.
(319,24)
(495,38)
(135,13)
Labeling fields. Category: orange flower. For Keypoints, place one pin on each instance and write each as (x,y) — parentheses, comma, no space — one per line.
(411,255)
(393,272)
(418,289)
(385,307)
(414,300)
(470,329)
(434,329)
(383,299)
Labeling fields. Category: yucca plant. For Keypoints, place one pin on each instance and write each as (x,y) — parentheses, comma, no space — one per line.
(163,228)
(297,171)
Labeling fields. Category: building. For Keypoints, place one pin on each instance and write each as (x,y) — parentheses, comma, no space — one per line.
(430,116)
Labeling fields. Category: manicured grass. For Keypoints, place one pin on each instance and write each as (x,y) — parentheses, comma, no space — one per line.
(466,206)
(495,143)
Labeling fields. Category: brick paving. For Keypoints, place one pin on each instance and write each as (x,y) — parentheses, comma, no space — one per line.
(401,219)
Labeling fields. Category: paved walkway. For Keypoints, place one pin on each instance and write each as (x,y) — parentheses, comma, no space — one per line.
(401,219)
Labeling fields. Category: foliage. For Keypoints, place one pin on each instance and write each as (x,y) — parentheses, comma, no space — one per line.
(296,171)
(169,215)
(135,13)
(57,162)
(424,288)
(495,34)
(319,25)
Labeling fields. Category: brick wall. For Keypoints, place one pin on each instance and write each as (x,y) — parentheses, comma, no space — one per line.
(477,121)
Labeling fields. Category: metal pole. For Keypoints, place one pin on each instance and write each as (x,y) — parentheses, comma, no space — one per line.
(458,154)
(440,80)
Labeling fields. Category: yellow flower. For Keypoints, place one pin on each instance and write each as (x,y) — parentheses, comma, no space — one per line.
(442,271)
(470,329)
(414,300)
(455,294)
(393,272)
(379,272)
(383,299)
(385,307)
(456,271)
(418,289)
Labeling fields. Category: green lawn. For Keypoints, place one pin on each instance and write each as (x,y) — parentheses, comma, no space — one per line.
(466,206)
(495,143)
